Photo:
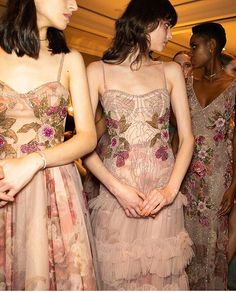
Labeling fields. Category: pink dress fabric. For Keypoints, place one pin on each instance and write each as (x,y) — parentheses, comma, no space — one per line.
(145,253)
(44,241)
(208,177)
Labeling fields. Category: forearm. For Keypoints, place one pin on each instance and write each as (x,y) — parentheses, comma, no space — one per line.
(97,168)
(76,147)
(182,162)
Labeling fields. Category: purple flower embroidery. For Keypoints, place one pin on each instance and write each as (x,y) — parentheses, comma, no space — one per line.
(52,110)
(110,123)
(218,137)
(114,141)
(162,153)
(47,132)
(165,135)
(204,221)
(63,112)
(121,157)
(199,140)
(2,141)
(30,147)
(199,168)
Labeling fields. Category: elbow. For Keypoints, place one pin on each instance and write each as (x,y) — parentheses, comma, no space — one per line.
(191,142)
(188,141)
(92,141)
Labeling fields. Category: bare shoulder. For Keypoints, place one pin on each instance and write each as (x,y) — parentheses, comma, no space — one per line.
(73,59)
(94,67)
(172,68)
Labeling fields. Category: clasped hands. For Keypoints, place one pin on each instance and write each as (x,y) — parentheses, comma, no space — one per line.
(136,204)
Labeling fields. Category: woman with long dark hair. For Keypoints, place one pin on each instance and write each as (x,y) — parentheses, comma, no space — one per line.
(43,219)
(210,183)
(137,217)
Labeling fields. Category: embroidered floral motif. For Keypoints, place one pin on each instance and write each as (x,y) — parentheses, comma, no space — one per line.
(217,122)
(118,145)
(162,126)
(50,130)
(162,153)
(7,135)
(31,147)
(196,179)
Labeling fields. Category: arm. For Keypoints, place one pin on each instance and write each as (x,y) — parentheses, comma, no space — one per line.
(128,197)
(18,172)
(229,195)
(159,198)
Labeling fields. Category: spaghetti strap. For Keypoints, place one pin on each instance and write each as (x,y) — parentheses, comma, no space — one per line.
(163,71)
(60,68)
(104,75)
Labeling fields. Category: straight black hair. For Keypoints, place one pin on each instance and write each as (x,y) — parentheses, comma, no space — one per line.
(131,30)
(211,30)
(19,32)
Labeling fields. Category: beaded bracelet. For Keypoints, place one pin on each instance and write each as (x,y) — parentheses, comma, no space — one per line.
(44,159)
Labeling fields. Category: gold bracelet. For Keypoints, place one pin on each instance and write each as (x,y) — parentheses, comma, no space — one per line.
(43,158)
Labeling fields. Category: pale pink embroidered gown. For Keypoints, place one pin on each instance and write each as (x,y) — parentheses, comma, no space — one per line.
(147,253)
(44,244)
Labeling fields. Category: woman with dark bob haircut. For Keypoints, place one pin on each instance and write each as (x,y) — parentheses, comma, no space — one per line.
(43,219)
(137,218)
(210,183)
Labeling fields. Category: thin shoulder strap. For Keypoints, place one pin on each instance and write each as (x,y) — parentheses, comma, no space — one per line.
(164,76)
(60,67)
(104,75)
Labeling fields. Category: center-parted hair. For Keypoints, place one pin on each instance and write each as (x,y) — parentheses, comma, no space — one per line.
(131,30)
(19,32)
(211,30)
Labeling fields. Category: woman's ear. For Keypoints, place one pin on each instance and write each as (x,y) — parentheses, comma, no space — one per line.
(212,45)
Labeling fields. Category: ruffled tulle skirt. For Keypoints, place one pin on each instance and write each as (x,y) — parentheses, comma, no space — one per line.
(140,254)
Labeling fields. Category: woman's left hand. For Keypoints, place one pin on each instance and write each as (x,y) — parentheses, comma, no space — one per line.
(18,172)
(227,202)
(156,200)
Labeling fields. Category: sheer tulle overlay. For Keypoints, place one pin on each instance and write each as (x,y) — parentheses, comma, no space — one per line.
(44,241)
(145,253)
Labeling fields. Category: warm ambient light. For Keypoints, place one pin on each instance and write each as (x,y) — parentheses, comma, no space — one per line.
(70,110)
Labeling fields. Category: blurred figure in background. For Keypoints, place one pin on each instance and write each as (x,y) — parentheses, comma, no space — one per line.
(229,63)
(184,60)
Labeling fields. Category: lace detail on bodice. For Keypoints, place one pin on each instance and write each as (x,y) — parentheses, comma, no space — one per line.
(214,120)
(137,121)
(31,121)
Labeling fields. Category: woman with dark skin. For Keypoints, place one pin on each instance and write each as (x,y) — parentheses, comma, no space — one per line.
(210,182)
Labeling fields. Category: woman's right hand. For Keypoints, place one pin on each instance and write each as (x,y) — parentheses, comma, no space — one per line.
(18,172)
(130,198)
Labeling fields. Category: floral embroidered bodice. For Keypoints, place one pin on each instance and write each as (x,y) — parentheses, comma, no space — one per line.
(138,131)
(31,121)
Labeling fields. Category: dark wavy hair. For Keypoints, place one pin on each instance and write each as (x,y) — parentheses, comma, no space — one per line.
(19,32)
(131,30)
(211,30)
